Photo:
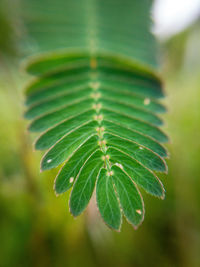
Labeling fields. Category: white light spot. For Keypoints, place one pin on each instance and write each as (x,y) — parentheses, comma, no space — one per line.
(147,101)
(139,212)
(119,165)
(173,16)
(140,147)
(71,180)
(49,160)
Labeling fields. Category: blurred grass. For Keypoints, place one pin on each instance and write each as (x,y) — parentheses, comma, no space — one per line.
(36,228)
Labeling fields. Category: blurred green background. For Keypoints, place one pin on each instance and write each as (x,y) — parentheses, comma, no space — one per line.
(36,228)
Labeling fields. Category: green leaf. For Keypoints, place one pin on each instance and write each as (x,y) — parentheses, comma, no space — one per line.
(107,200)
(129,196)
(50,137)
(131,111)
(85,183)
(70,170)
(56,90)
(134,136)
(141,154)
(86,24)
(57,102)
(132,100)
(58,116)
(134,124)
(95,101)
(65,146)
(141,175)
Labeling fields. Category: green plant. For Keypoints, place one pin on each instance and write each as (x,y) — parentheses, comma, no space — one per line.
(95,103)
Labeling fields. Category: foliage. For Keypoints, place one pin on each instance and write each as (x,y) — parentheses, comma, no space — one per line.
(96,106)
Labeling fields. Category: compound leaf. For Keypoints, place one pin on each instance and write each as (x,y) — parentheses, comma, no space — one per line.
(95,101)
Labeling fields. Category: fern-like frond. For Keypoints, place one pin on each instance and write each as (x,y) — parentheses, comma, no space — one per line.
(97,107)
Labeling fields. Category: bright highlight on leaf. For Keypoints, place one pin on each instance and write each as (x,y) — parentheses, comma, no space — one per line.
(97,107)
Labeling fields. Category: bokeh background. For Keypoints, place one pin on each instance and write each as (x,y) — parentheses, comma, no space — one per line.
(36,228)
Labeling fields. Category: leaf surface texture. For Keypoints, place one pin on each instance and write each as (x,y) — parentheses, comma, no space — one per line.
(95,101)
